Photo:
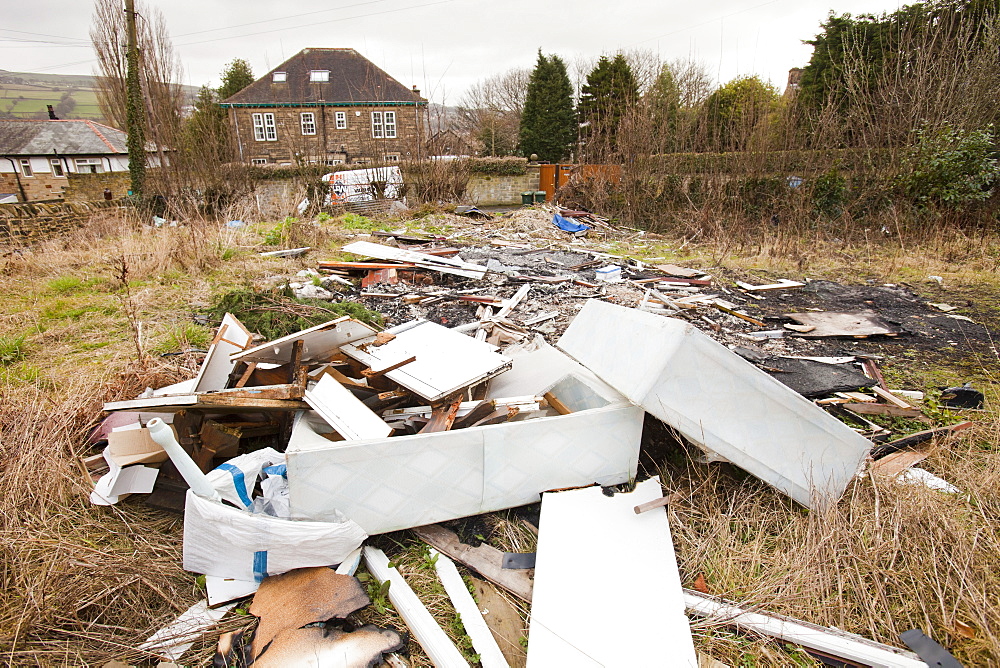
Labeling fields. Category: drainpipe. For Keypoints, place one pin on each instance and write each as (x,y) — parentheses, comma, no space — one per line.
(17,177)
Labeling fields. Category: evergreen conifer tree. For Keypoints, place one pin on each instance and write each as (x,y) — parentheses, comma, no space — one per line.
(548,123)
(611,91)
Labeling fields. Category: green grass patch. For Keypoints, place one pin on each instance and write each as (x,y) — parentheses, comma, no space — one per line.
(180,337)
(276,313)
(12,349)
(353,221)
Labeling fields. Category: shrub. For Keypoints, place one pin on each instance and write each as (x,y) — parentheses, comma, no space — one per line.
(950,167)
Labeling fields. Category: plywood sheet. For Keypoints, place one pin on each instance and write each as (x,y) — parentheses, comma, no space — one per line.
(579,533)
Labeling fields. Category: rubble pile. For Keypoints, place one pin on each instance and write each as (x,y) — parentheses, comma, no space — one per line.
(508,375)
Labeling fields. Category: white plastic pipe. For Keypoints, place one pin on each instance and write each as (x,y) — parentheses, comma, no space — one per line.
(160,432)
(425,629)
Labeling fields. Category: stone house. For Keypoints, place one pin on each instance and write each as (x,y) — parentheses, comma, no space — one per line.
(37,157)
(327,106)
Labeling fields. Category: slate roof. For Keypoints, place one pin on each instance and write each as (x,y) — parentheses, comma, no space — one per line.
(71,137)
(353,79)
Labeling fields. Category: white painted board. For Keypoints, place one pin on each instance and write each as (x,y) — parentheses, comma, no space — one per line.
(217,366)
(482,638)
(718,400)
(319,342)
(607,590)
(446,361)
(433,262)
(344,411)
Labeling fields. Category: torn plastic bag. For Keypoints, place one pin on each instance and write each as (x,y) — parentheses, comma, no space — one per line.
(235,480)
(232,543)
(274,496)
(567,225)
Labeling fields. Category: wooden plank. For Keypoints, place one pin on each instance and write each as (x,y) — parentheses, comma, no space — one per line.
(679,272)
(372,373)
(915,439)
(283,391)
(883,409)
(890,397)
(482,410)
(485,560)
(489,652)
(365,266)
(442,417)
(895,463)
(741,316)
(782,284)
(506,624)
(559,406)
(345,380)
(499,416)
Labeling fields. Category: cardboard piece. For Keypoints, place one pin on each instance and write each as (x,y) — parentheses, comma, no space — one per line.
(132,444)
(303,596)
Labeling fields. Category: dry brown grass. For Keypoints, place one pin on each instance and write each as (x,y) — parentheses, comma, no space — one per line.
(888,558)
(81,584)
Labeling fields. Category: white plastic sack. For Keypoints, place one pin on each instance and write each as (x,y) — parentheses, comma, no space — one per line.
(233,543)
(235,480)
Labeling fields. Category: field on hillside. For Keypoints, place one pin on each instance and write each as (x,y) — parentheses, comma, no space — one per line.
(119,306)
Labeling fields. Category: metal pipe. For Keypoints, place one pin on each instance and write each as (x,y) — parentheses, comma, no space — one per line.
(17,177)
(196,479)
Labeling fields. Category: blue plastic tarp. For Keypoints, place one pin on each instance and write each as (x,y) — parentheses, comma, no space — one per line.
(567,225)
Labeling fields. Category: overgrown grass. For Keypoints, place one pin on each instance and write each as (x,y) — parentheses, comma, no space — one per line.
(276,313)
(181,337)
(80,585)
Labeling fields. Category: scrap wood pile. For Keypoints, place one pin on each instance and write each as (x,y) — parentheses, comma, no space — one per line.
(287,456)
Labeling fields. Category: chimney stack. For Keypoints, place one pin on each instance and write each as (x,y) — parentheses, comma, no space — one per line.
(416,91)
(52,113)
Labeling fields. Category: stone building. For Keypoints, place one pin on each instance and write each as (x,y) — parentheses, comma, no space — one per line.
(37,157)
(327,106)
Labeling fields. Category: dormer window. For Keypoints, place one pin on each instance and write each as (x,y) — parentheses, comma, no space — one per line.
(279,77)
(321,76)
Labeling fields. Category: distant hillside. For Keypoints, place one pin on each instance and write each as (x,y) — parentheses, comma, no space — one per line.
(26,94)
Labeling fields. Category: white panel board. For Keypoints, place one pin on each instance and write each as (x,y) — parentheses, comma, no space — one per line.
(434,262)
(215,370)
(719,401)
(583,614)
(446,361)
(344,411)
(319,342)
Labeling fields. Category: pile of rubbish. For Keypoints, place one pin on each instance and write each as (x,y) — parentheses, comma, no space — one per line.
(285,456)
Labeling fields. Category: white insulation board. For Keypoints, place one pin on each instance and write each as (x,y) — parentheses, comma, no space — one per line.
(607,591)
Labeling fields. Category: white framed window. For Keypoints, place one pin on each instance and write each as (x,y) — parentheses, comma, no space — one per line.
(89,166)
(384,124)
(392,157)
(321,76)
(307,120)
(341,119)
(26,167)
(264,128)
(258,161)
(334,161)
(57,167)
(279,77)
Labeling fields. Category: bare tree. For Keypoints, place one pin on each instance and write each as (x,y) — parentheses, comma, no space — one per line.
(159,65)
(490,111)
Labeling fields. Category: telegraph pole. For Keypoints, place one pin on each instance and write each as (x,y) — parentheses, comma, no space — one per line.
(134,117)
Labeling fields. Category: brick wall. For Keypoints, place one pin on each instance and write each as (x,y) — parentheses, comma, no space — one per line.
(25,224)
(356,140)
(501,190)
(40,186)
(90,187)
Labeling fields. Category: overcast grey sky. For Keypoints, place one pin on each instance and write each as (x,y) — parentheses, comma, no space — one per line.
(442,46)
